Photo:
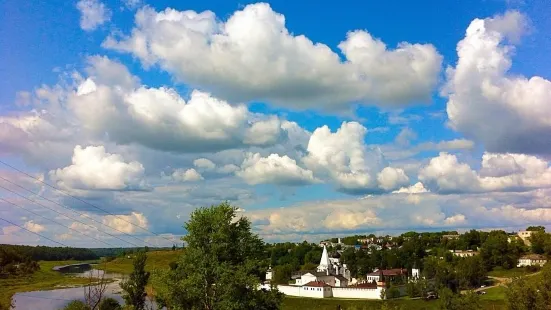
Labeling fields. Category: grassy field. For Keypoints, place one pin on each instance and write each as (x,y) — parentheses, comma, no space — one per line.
(509,273)
(155,260)
(290,303)
(494,294)
(43,279)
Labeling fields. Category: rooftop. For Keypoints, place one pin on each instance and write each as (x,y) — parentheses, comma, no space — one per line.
(534,257)
(317,284)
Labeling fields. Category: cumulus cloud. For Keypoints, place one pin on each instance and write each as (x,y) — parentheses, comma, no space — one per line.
(391,178)
(126,223)
(160,119)
(253,56)
(94,169)
(189,175)
(274,169)
(499,172)
(417,188)
(93,13)
(34,227)
(203,163)
(344,157)
(506,112)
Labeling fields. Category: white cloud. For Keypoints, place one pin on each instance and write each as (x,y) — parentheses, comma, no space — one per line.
(203,163)
(159,118)
(417,188)
(94,169)
(391,178)
(457,219)
(506,112)
(93,13)
(253,56)
(344,156)
(189,175)
(499,172)
(34,227)
(274,169)
(126,223)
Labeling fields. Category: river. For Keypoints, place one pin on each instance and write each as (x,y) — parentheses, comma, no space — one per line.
(58,298)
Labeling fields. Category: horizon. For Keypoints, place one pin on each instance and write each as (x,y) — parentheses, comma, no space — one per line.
(118,118)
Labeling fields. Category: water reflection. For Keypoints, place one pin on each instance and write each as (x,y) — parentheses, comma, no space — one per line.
(58,298)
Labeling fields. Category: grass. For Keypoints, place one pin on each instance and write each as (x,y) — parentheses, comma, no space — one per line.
(43,279)
(155,260)
(351,304)
(494,294)
(509,273)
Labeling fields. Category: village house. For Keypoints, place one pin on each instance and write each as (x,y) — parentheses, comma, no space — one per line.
(532,260)
(525,236)
(386,275)
(461,253)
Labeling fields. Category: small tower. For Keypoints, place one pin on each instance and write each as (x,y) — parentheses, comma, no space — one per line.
(325,264)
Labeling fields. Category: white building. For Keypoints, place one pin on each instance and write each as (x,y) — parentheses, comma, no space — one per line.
(525,236)
(468,253)
(531,260)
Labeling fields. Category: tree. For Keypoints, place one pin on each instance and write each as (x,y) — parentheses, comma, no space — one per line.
(109,304)
(450,301)
(535,228)
(173,247)
(538,241)
(76,305)
(470,272)
(134,288)
(222,266)
(530,293)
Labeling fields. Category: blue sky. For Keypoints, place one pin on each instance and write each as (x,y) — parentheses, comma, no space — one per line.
(315,118)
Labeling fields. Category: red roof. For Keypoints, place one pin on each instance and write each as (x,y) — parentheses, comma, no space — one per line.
(389,272)
(317,284)
(364,285)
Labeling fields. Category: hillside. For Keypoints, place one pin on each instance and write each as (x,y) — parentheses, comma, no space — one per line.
(155,260)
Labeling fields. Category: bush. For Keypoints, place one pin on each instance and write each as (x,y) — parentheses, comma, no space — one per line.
(109,304)
(392,292)
(76,305)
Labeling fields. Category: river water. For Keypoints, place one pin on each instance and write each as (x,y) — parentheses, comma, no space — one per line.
(58,298)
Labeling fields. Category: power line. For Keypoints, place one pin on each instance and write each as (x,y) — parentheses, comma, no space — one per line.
(14,204)
(33,232)
(81,200)
(74,219)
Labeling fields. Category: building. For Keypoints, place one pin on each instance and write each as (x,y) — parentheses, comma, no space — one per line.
(532,260)
(462,253)
(450,237)
(379,276)
(525,236)
(316,289)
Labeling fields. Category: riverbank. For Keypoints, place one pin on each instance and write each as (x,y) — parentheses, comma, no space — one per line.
(43,279)
(155,260)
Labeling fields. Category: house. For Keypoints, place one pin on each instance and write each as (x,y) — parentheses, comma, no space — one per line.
(450,237)
(329,271)
(462,253)
(316,289)
(525,236)
(531,260)
(386,275)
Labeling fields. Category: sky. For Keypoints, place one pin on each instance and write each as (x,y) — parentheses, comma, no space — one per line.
(315,118)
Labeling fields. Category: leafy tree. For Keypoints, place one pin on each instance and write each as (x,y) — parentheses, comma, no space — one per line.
(470,271)
(450,301)
(538,241)
(282,274)
(76,305)
(134,288)
(496,251)
(173,247)
(535,228)
(222,266)
(109,304)
(533,293)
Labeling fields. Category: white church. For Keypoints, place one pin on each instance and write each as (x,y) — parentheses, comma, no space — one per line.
(330,279)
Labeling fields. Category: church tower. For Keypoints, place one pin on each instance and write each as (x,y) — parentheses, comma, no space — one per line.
(325,264)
